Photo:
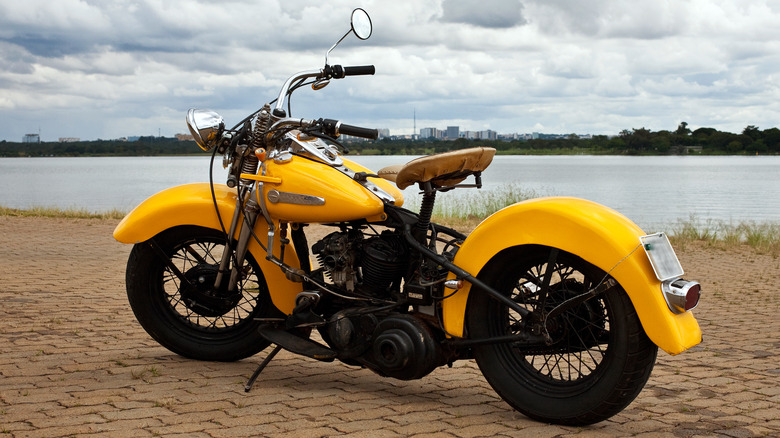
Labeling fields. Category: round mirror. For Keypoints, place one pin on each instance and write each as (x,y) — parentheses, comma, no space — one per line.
(361,24)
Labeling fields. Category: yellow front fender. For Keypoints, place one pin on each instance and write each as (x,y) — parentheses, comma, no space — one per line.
(191,204)
(589,230)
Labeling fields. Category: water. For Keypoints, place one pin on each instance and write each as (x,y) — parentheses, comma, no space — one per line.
(649,190)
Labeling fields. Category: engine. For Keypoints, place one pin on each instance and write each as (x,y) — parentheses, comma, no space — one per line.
(370,267)
(391,343)
(394,345)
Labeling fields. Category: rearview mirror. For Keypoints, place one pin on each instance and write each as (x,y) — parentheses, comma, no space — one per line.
(361,24)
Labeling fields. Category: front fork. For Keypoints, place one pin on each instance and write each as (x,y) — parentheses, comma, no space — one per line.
(248,207)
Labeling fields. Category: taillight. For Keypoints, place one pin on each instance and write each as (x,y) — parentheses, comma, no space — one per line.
(692,297)
(681,295)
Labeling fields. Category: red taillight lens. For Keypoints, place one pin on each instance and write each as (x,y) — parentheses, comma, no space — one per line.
(692,297)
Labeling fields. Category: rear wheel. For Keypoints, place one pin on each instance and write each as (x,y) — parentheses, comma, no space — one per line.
(188,315)
(600,358)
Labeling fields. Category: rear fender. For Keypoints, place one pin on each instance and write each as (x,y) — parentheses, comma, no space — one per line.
(192,204)
(591,231)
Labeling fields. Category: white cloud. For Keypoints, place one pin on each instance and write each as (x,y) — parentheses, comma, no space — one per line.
(564,65)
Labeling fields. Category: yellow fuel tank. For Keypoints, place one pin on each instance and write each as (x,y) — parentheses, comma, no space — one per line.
(308,191)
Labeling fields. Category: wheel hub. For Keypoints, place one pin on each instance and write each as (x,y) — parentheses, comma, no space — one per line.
(583,323)
(200,296)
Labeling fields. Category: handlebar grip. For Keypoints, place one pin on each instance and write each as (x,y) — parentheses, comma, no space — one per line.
(339,72)
(357,131)
(359,70)
(335,127)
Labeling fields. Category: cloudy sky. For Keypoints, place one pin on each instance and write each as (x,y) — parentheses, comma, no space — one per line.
(113,68)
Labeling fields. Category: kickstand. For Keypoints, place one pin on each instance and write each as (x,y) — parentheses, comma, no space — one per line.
(260,368)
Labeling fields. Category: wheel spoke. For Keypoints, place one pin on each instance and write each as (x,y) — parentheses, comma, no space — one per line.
(189,301)
(580,328)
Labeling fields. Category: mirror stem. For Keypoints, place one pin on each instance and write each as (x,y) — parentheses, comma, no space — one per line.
(334,46)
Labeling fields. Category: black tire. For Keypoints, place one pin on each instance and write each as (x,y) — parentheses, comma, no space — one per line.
(196,321)
(601,357)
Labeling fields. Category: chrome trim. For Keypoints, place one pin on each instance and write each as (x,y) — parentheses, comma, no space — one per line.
(676,294)
(281,157)
(371,187)
(455,284)
(317,149)
(277,197)
(286,87)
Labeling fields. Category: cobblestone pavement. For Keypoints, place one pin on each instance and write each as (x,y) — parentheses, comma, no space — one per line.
(75,363)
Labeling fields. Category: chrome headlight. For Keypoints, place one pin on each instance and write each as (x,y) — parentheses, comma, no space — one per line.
(206,127)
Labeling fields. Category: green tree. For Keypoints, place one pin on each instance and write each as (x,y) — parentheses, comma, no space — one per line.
(682,129)
(752,132)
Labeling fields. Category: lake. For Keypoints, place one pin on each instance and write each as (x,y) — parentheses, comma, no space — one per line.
(651,191)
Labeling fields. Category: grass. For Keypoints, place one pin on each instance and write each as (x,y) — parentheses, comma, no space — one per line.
(764,237)
(75,213)
(469,208)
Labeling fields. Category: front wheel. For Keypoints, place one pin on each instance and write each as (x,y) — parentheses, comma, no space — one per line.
(171,291)
(600,358)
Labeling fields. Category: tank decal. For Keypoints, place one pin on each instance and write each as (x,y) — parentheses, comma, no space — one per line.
(277,197)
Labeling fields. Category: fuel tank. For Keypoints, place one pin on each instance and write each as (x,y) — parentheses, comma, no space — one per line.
(309,191)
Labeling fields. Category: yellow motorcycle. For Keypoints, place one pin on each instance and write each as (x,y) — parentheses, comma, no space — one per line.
(562,302)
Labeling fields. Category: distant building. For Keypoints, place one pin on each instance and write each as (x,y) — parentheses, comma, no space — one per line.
(488,135)
(69,139)
(452,132)
(184,137)
(426,133)
(31,138)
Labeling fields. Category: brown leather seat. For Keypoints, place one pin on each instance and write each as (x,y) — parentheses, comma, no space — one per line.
(442,170)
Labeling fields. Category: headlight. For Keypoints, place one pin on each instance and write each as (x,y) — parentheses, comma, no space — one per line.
(206,127)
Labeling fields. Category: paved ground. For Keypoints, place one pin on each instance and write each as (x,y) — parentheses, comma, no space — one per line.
(74,362)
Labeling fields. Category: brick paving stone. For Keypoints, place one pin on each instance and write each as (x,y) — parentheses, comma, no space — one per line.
(363,425)
(312,432)
(484,430)
(75,362)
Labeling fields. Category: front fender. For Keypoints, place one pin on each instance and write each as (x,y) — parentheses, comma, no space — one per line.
(589,230)
(192,204)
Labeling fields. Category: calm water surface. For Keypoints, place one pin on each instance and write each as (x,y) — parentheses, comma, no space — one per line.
(649,190)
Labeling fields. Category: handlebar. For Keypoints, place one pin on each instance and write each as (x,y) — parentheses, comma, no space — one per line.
(334,71)
(335,127)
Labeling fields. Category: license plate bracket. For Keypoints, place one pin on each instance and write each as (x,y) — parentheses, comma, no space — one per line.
(662,257)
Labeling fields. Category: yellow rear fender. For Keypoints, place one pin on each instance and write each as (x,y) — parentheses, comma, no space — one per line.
(192,204)
(591,231)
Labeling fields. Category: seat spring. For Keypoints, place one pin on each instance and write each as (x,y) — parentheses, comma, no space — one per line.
(426,211)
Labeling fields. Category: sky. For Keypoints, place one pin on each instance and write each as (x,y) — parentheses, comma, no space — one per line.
(105,69)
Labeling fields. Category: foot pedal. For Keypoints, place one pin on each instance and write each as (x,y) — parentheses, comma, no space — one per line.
(296,344)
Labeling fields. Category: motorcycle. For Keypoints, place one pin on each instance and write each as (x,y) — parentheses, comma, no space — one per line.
(562,302)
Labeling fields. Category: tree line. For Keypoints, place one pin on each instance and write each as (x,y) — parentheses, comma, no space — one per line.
(642,141)
(144,146)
